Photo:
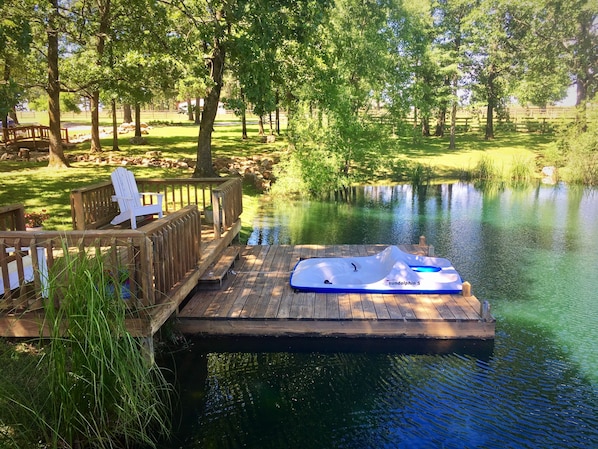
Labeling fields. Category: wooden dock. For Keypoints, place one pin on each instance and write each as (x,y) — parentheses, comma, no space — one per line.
(255,300)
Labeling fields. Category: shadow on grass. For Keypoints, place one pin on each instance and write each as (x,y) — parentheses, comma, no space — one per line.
(177,142)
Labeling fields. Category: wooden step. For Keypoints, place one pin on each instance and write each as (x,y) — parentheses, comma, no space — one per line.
(216,273)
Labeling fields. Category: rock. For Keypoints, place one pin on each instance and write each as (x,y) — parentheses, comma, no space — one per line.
(24,154)
(153,154)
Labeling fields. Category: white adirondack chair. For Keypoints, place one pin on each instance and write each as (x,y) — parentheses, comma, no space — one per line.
(130,199)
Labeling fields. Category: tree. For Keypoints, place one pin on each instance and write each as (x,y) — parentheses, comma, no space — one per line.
(493,58)
(583,42)
(453,20)
(217,27)
(15,35)
(57,158)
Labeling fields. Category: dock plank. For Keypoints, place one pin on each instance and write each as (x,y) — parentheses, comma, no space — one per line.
(257,299)
(274,285)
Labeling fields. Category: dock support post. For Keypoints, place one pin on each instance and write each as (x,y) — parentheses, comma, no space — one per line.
(485,312)
(423,243)
(466,289)
(147,348)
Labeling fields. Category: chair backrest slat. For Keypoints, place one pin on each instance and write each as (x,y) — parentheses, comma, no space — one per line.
(125,186)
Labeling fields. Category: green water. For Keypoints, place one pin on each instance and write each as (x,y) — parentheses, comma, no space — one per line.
(532,253)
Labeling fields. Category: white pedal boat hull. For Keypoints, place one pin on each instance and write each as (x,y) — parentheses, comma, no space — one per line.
(389,271)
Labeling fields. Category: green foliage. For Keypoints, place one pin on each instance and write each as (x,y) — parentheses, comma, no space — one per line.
(98,390)
(21,388)
(520,171)
(332,151)
(420,175)
(485,170)
(289,176)
(577,146)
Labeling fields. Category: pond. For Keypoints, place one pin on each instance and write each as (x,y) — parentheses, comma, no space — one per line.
(532,253)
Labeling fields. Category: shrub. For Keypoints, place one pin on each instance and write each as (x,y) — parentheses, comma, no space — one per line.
(577,144)
(485,170)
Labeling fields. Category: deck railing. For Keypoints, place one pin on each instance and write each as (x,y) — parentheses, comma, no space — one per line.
(176,248)
(155,259)
(92,206)
(12,217)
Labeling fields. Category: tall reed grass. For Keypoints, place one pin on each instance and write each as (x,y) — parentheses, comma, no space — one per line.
(98,389)
(420,175)
(520,171)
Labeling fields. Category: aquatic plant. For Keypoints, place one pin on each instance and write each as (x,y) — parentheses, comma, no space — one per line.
(485,170)
(420,175)
(98,388)
(522,170)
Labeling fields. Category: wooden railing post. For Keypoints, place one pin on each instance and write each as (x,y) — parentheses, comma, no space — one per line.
(12,217)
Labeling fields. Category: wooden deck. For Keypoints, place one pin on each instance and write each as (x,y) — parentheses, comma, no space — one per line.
(256,300)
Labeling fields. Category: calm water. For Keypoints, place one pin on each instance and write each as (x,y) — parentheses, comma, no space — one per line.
(532,253)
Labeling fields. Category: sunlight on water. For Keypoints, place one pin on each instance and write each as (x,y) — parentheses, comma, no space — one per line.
(532,253)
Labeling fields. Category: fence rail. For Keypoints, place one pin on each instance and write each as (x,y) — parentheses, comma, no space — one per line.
(542,120)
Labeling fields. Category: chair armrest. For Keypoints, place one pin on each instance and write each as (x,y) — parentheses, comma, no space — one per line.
(115,198)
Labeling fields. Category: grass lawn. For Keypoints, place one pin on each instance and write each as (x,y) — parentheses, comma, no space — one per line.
(38,187)
(504,152)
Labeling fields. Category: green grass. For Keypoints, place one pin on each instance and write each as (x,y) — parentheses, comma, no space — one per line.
(505,152)
(38,187)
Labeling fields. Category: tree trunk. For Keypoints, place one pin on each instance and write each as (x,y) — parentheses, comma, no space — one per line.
(492,100)
(581,105)
(137,119)
(260,124)
(243,116)
(96,146)
(190,110)
(489,121)
(244,123)
(278,114)
(114,127)
(104,10)
(197,110)
(204,167)
(440,122)
(56,157)
(455,101)
(426,126)
(452,145)
(127,113)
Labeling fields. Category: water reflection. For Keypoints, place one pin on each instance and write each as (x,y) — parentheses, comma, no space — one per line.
(531,252)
